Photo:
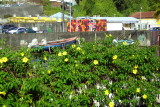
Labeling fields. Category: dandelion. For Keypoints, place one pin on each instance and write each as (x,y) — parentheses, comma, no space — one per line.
(124,43)
(144,96)
(66,60)
(25,59)
(78,48)
(2,93)
(136,66)
(111,104)
(22,54)
(45,58)
(95,62)
(73,46)
(60,54)
(134,71)
(138,90)
(4,59)
(106,92)
(114,57)
(64,53)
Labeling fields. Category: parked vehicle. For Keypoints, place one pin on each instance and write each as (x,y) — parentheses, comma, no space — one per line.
(30,30)
(18,30)
(155,29)
(7,31)
(6,27)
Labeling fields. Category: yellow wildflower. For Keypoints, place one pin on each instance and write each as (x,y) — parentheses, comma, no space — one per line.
(76,65)
(138,90)
(60,54)
(25,59)
(64,53)
(134,71)
(136,66)
(1,61)
(111,104)
(114,57)
(4,59)
(73,46)
(124,43)
(157,69)
(49,71)
(4,106)
(45,58)
(110,35)
(66,60)
(107,36)
(144,96)
(22,54)
(78,48)
(106,92)
(143,78)
(3,93)
(95,62)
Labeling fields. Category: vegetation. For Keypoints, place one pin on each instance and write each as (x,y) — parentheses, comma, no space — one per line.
(87,74)
(114,7)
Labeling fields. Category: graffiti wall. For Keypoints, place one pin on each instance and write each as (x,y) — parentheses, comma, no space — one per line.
(84,25)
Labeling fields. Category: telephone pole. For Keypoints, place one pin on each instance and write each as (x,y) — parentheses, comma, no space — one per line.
(62,2)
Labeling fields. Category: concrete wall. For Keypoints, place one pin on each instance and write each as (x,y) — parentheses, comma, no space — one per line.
(21,11)
(22,40)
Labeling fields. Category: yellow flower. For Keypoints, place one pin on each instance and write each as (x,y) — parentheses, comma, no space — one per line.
(114,57)
(144,96)
(110,35)
(107,36)
(78,48)
(73,46)
(95,62)
(64,53)
(3,93)
(106,92)
(60,54)
(132,55)
(49,71)
(124,43)
(25,59)
(4,106)
(134,71)
(76,65)
(136,66)
(66,60)
(157,69)
(1,61)
(143,78)
(4,59)
(45,58)
(138,90)
(111,104)
(22,54)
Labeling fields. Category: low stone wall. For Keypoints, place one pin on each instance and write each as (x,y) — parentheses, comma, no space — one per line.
(22,40)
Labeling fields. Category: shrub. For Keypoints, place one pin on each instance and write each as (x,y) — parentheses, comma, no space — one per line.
(100,74)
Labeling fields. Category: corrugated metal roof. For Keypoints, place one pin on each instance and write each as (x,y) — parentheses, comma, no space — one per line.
(143,15)
(114,19)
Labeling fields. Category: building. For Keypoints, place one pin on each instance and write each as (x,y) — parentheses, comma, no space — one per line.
(56,3)
(146,20)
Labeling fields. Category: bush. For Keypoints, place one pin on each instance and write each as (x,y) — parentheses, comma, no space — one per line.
(101,73)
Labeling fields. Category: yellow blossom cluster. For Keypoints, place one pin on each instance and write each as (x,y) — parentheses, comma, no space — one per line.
(22,54)
(134,71)
(110,35)
(4,59)
(106,92)
(111,104)
(114,57)
(2,93)
(62,53)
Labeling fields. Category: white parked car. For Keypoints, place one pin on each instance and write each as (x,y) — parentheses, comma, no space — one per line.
(18,30)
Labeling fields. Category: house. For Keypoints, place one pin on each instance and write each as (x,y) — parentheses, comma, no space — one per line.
(119,23)
(146,20)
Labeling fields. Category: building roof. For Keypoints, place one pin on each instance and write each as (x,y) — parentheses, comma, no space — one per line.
(59,15)
(142,15)
(114,19)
